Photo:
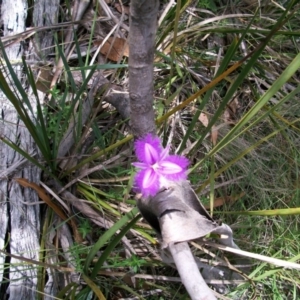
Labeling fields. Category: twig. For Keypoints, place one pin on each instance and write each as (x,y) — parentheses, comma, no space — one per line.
(271,260)
(189,273)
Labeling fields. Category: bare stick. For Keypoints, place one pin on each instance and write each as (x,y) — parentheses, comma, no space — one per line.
(143,23)
(189,273)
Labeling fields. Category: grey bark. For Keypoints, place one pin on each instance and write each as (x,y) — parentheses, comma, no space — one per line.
(18,220)
(20,223)
(45,14)
(189,273)
(143,25)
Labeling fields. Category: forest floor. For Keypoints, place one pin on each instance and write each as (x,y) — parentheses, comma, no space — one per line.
(242,137)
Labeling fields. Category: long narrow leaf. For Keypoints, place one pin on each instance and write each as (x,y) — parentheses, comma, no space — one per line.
(107,235)
(19,104)
(111,246)
(236,131)
(93,287)
(24,153)
(238,81)
(15,79)
(243,153)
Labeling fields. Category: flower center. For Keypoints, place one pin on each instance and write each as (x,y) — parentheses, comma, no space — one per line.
(155,166)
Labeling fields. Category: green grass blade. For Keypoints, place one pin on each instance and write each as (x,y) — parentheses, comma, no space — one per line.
(91,196)
(107,235)
(112,245)
(67,67)
(101,67)
(78,51)
(22,107)
(93,287)
(15,79)
(39,118)
(79,94)
(24,154)
(62,293)
(100,153)
(243,153)
(228,56)
(238,81)
(236,131)
(267,212)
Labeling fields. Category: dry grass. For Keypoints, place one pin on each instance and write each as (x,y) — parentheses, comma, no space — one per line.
(191,50)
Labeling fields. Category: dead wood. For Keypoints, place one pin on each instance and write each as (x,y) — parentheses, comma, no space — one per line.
(19,215)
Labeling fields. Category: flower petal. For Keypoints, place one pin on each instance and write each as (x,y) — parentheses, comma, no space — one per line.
(151,155)
(150,177)
(147,182)
(156,166)
(174,167)
(148,149)
(164,153)
(140,165)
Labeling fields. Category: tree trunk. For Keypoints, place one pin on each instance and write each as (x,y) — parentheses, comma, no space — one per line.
(20,221)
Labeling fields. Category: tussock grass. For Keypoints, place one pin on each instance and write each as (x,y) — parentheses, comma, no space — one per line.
(256,154)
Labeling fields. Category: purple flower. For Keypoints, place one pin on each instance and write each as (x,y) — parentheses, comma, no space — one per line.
(156,166)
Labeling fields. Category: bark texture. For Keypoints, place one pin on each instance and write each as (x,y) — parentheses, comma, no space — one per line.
(45,14)
(143,25)
(20,223)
